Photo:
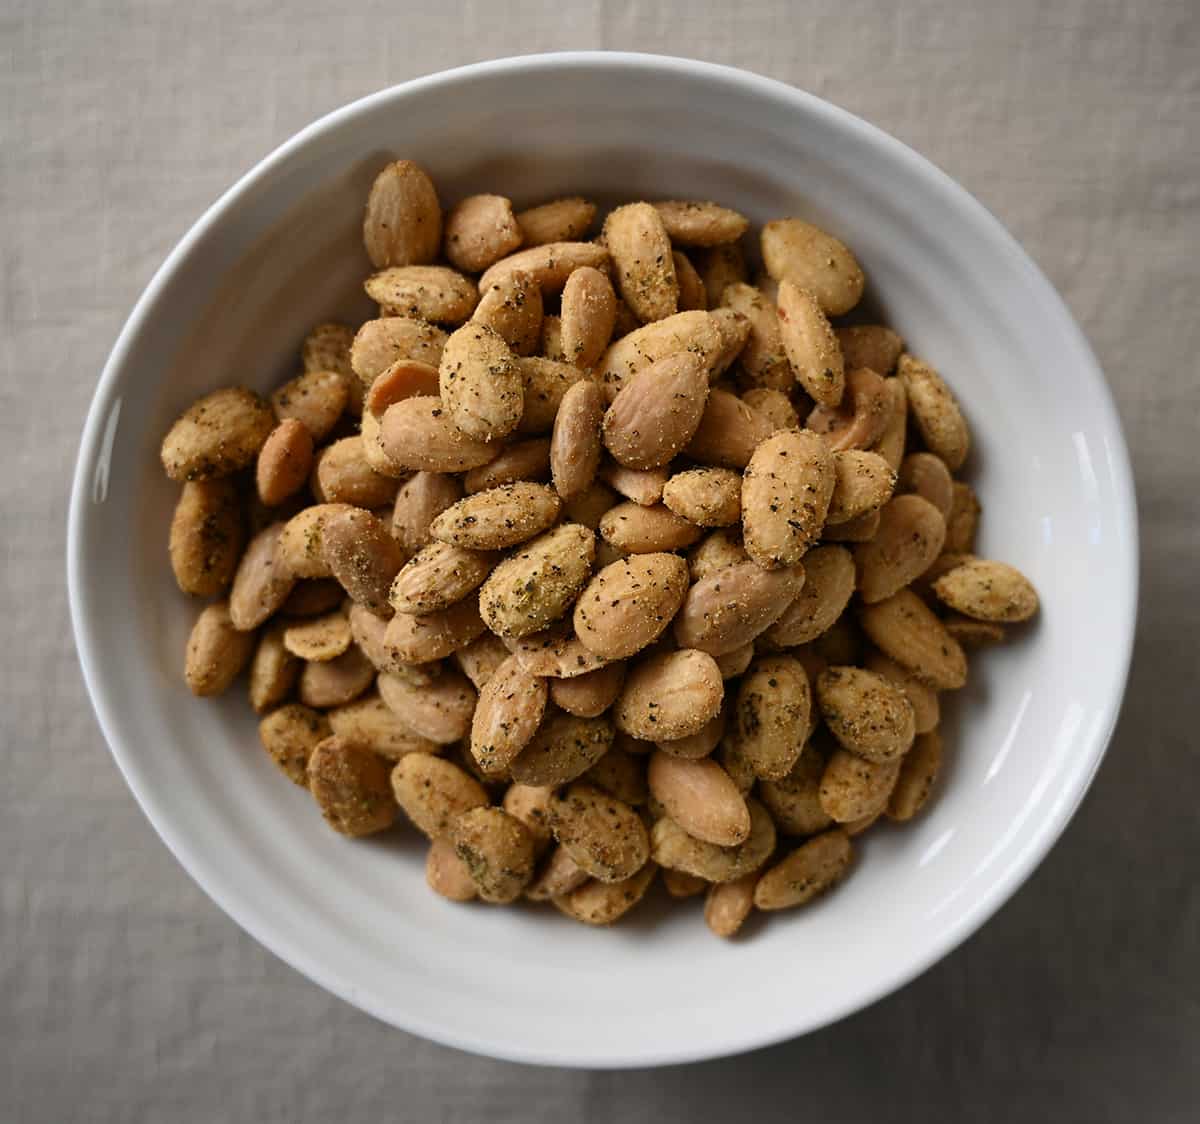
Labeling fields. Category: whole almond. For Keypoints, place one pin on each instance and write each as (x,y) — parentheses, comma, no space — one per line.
(730,607)
(556,653)
(350,785)
(681,885)
(273,670)
(641,256)
(673,847)
(289,735)
(621,774)
(700,797)
(860,529)
(440,711)
(811,869)
(537,584)
(963,521)
(694,332)
(418,433)
(433,636)
(772,711)
(924,699)
(927,475)
(446,874)
(335,682)
(794,800)
(480,230)
(546,384)
(481,383)
(936,412)
(694,223)
(327,348)
(549,265)
(380,343)
(371,723)
(708,497)
(558,876)
(510,709)
(587,696)
(734,330)
(868,714)
(727,905)
(604,835)
(785,497)
(811,346)
(716,551)
(206,536)
(829,579)
(531,805)
(497,851)
(891,442)
(437,576)
(634,529)
(602,903)
(728,433)
(217,435)
(910,536)
(853,788)
(918,774)
(498,518)
(862,416)
(870,345)
(433,792)
(512,307)
(642,485)
(315,398)
(575,447)
(263,580)
(216,651)
(656,412)
(283,462)
(342,474)
(551,345)
(560,220)
(420,500)
(563,749)
(669,695)
(629,604)
(764,360)
(589,311)
(520,460)
(863,483)
(403,220)
(988,591)
(362,556)
(425,292)
(798,251)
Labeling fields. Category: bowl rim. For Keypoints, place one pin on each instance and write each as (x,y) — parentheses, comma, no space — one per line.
(99,423)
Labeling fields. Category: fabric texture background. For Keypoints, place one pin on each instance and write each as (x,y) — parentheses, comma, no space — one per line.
(126,995)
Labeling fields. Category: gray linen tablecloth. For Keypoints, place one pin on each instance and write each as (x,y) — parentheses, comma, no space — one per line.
(126,995)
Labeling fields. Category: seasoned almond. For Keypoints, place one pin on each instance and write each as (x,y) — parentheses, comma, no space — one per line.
(446,874)
(440,711)
(811,346)
(988,591)
(497,850)
(604,835)
(587,696)
(681,885)
(641,257)
(546,384)
(602,903)
(728,433)
(498,518)
(350,786)
(403,220)
(642,485)
(629,604)
(509,712)
(559,875)
(320,638)
(337,681)
(418,433)
(973,633)
(798,251)
(927,476)
(891,442)
(263,580)
(732,606)
(206,536)
(216,651)
(316,399)
(774,406)
(674,848)
(433,792)
(963,521)
(935,411)
(811,869)
(556,653)
(481,383)
(620,773)
(772,710)
(733,663)
(433,636)
(371,723)
(853,788)
(531,805)
(863,483)
(563,749)
(420,500)
(634,529)
(669,695)
(560,220)
(342,474)
(512,307)
(437,576)
(860,529)
(870,345)
(861,418)
(575,447)
(656,412)
(424,292)
(764,360)
(828,586)
(481,659)
(549,265)
(700,797)
(289,735)
(521,460)
(868,714)
(327,348)
(708,497)
(550,345)
(538,584)
(910,536)
(361,555)
(719,267)
(273,670)
(480,230)
(924,699)
(693,332)
(785,497)
(734,330)
(692,294)
(589,313)
(700,744)
(794,800)
(381,343)
(729,904)
(691,222)
(717,551)
(918,773)
(217,435)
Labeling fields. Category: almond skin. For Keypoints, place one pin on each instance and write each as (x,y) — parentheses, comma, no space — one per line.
(629,604)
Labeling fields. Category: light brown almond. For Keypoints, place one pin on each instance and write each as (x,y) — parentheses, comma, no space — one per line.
(283,462)
(720,267)
(708,497)
(729,904)
(440,711)
(693,332)
(263,580)
(589,312)
(863,483)
(798,251)
(371,723)
(560,220)
(587,696)
(829,579)
(418,433)
(643,486)
(656,412)
(963,521)
(549,264)
(700,744)
(510,709)
(772,711)
(433,792)
(480,230)
(437,576)
(764,360)
(910,536)
(732,606)
(701,798)
(676,849)
(868,714)
(335,682)
(794,800)
(669,695)
(634,529)
(316,398)
(361,555)
(273,670)
(319,638)
(927,476)
(497,850)
(692,294)
(559,875)
(870,345)
(420,500)
(695,223)
(603,903)
(811,869)
(604,835)
(531,805)
(811,346)
(785,497)
(327,348)
(380,343)
(512,307)
(481,658)
(498,518)
(892,440)
(774,406)
(481,383)
(546,384)
(860,529)
(717,551)
(556,653)
(289,735)
(575,447)
(217,435)
(342,474)
(563,749)
(350,786)
(206,536)
(924,699)
(728,433)
(520,460)
(918,774)
(641,257)
(403,220)
(433,636)
(216,651)
(988,591)
(734,330)
(935,411)
(424,292)
(629,604)
(853,788)
(446,874)
(861,418)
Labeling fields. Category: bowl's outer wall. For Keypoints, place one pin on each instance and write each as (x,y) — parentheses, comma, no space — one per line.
(281,251)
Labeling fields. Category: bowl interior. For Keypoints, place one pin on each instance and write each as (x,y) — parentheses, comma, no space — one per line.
(281,251)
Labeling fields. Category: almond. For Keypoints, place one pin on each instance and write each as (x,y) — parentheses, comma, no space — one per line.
(629,604)
(656,412)
(403,221)
(418,433)
(988,591)
(773,710)
(785,497)
(512,307)
(350,785)
(669,695)
(511,706)
(641,257)
(732,606)
(798,251)
(910,536)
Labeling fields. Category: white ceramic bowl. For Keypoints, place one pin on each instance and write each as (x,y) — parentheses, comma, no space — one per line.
(280,251)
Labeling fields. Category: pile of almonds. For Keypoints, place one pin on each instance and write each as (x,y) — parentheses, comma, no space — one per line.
(594,558)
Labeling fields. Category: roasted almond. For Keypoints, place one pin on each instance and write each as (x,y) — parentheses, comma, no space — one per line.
(669,695)
(560,220)
(216,651)
(403,221)
(868,714)
(673,847)
(728,433)
(634,529)
(988,591)
(604,835)
(732,606)
(785,496)
(629,604)
(481,383)
(480,230)
(549,265)
(424,292)
(217,435)
(811,346)
(693,332)
(350,785)
(575,447)
(811,869)
(512,307)
(563,749)
(433,792)
(521,460)
(772,711)
(289,735)
(509,712)
(828,586)
(437,576)
(641,257)
(656,412)
(420,500)
(708,497)
(440,711)
(910,536)
(361,555)
(936,412)
(861,417)
(206,536)
(797,251)
(433,636)
(380,343)
(589,312)
(264,578)
(418,433)
(764,360)
(498,518)
(692,222)
(863,483)
(700,797)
